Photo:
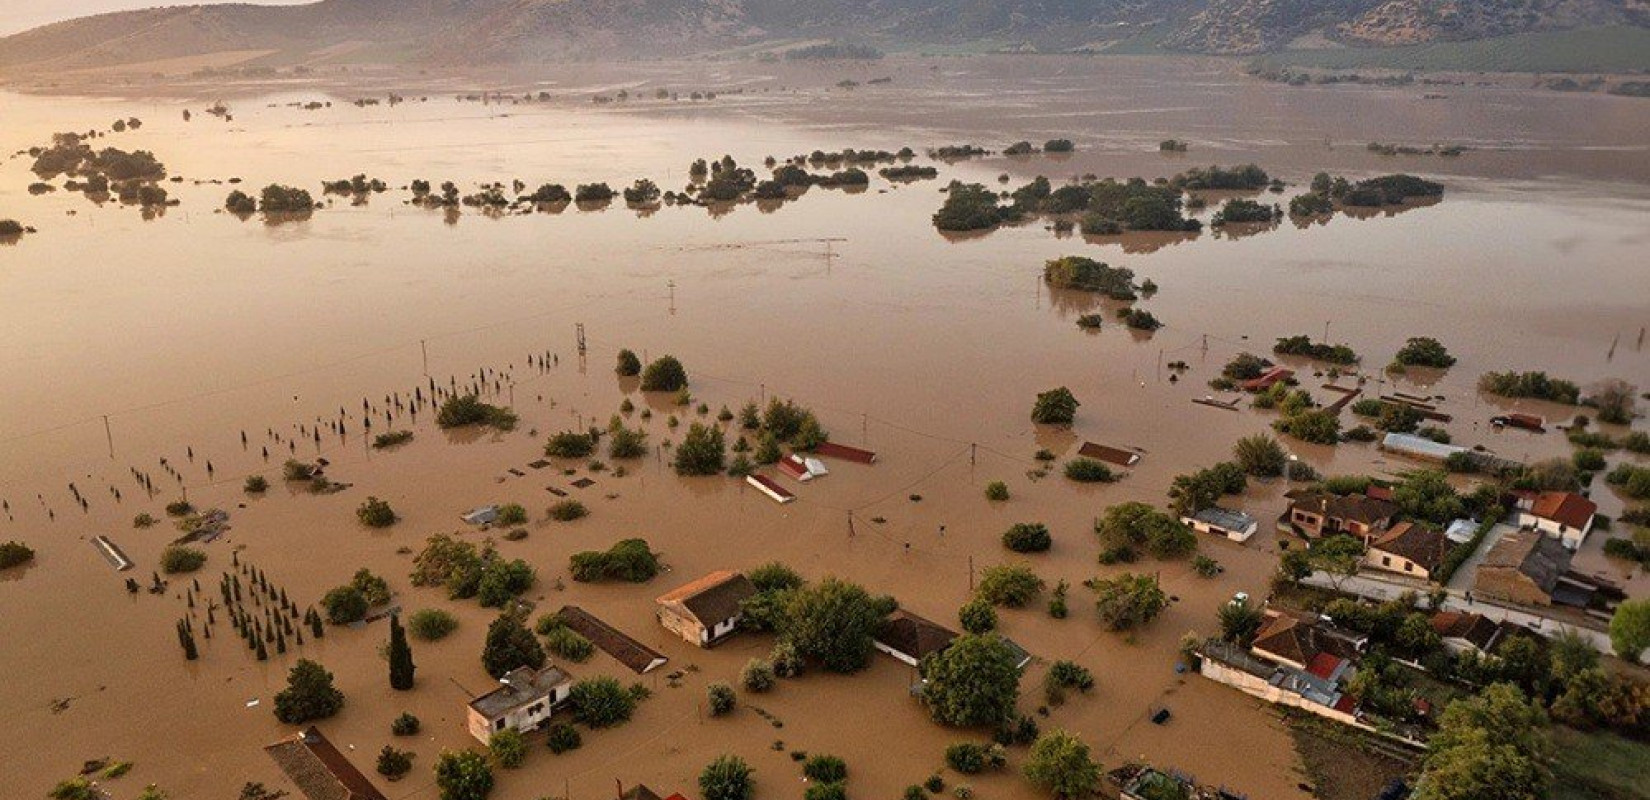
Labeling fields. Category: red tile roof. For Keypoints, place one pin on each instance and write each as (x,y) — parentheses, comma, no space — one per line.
(1323,665)
(1565,508)
(844,452)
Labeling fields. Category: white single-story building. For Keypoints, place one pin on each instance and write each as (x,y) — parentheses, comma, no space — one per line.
(1565,516)
(1234,525)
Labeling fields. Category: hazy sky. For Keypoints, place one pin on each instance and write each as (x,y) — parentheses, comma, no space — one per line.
(21,15)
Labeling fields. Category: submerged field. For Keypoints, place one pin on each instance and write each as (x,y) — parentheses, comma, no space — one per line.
(131,340)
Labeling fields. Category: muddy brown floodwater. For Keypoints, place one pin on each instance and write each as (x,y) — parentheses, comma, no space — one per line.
(187,329)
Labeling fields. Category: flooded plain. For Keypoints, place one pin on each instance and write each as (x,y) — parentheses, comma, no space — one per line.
(129,339)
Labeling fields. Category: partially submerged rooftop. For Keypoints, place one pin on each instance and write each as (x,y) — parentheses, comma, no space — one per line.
(517,688)
(319,770)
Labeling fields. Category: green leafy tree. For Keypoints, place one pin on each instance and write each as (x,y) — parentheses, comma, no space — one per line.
(463,775)
(1129,601)
(510,645)
(629,365)
(1055,407)
(1630,629)
(376,513)
(601,702)
(1239,622)
(1027,537)
(977,616)
(975,681)
(1010,585)
(702,451)
(720,699)
(1059,763)
(309,694)
(401,660)
(832,622)
(393,763)
(1260,455)
(344,604)
(665,374)
(1337,555)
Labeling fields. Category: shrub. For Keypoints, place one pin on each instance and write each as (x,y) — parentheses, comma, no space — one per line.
(1422,351)
(757,676)
(405,725)
(512,514)
(626,443)
(465,410)
(562,738)
(1589,459)
(568,444)
(344,605)
(144,520)
(1260,455)
(787,660)
(977,616)
(568,510)
(1010,585)
(569,644)
(393,763)
(295,470)
(14,554)
(431,624)
(996,491)
(1128,600)
(825,769)
(1088,470)
(1205,566)
(665,374)
(720,699)
(628,560)
(375,513)
(702,451)
(1070,675)
(1318,426)
(256,484)
(179,508)
(508,748)
(1027,537)
(629,365)
(726,778)
(970,758)
(391,439)
(601,702)
(1055,407)
(179,558)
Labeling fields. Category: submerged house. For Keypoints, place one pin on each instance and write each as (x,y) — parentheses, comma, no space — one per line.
(707,610)
(483,515)
(1234,525)
(1408,548)
(524,700)
(318,769)
(802,468)
(910,638)
(1317,514)
(1566,516)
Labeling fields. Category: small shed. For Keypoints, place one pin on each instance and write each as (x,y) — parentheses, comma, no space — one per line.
(802,468)
(1108,454)
(771,488)
(846,453)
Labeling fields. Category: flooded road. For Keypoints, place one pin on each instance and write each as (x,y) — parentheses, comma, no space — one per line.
(148,339)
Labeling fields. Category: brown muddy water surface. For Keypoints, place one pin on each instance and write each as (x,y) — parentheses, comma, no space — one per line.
(191,327)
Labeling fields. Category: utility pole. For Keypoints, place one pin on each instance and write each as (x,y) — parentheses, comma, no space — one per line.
(424,346)
(109,434)
(971,448)
(579,332)
(672,284)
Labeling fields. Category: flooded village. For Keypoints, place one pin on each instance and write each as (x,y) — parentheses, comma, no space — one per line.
(828,452)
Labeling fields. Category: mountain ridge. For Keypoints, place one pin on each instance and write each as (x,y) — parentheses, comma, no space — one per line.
(483,32)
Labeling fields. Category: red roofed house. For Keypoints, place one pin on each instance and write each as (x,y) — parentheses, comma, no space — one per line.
(1565,515)
(1267,379)
(707,610)
(1302,639)
(319,770)
(802,468)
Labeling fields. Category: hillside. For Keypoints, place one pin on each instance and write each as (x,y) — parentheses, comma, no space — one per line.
(469,32)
